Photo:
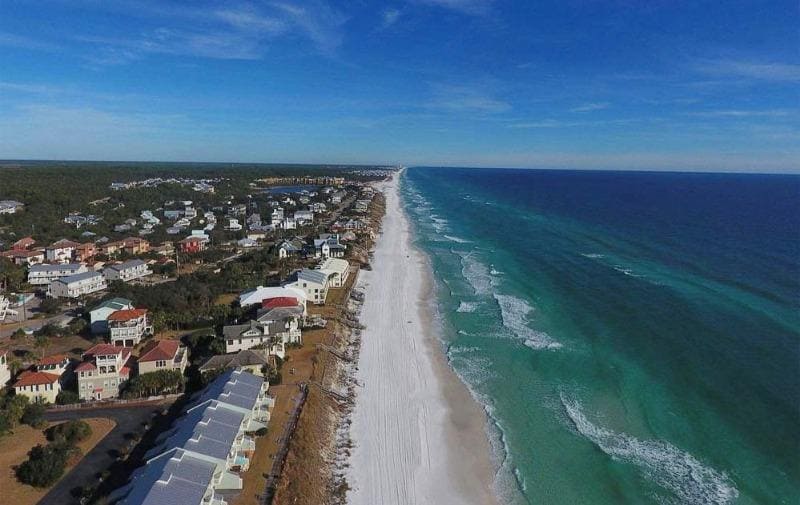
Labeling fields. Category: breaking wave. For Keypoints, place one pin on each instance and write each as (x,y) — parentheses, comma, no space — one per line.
(455,239)
(476,274)
(514,312)
(671,468)
(467,307)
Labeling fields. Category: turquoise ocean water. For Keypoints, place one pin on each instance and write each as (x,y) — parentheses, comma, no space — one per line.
(634,337)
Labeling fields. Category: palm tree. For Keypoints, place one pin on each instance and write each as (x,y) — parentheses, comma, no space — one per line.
(41,342)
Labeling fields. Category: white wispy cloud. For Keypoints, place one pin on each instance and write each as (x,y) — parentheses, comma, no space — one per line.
(318,21)
(473,7)
(26,87)
(758,70)
(23,42)
(734,113)
(589,107)
(236,32)
(465,98)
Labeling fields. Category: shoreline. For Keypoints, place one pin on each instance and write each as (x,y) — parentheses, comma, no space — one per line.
(419,436)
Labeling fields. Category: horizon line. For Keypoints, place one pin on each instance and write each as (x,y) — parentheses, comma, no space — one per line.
(789,171)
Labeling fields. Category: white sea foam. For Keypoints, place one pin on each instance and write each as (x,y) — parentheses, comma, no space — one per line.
(671,468)
(593,255)
(493,271)
(456,239)
(514,312)
(467,307)
(476,273)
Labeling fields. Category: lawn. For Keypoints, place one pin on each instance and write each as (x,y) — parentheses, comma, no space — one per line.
(14,450)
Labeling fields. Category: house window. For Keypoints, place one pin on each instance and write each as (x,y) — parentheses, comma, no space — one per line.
(230,342)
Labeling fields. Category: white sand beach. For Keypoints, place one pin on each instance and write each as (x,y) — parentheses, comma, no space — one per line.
(419,436)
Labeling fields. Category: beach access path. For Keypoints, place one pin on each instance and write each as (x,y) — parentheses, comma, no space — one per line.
(419,436)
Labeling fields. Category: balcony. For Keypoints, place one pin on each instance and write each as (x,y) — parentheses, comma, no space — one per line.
(248,444)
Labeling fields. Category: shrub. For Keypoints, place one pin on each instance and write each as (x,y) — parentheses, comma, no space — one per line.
(66,397)
(153,383)
(34,415)
(70,432)
(45,464)
(14,407)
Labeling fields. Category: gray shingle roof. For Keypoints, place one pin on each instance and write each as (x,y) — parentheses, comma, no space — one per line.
(174,477)
(78,277)
(247,357)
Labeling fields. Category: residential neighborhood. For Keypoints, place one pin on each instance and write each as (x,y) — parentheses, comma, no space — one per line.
(235,298)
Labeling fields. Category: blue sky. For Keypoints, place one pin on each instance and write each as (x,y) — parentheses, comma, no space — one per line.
(661,84)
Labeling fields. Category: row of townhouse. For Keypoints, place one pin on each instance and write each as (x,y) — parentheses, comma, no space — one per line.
(204,453)
(72,280)
(66,251)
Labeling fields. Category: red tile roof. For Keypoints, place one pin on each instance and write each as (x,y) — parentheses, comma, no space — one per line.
(280,301)
(161,350)
(28,378)
(106,349)
(86,365)
(127,314)
(16,253)
(125,371)
(64,243)
(24,243)
(52,360)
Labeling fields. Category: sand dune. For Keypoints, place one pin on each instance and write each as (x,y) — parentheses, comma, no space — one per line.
(419,436)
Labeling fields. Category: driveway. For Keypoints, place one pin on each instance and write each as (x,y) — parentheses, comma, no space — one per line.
(129,420)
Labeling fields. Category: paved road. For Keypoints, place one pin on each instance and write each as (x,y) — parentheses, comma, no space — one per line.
(128,419)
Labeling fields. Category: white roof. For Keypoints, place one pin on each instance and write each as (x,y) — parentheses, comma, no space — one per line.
(335,266)
(260,293)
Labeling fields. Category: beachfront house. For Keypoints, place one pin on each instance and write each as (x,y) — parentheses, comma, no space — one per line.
(206,448)
(267,335)
(284,322)
(314,283)
(126,328)
(338,271)
(42,275)
(254,361)
(77,285)
(258,295)
(103,372)
(98,316)
(163,355)
(127,271)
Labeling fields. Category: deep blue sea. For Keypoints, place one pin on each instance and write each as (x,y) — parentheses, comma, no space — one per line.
(633,336)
